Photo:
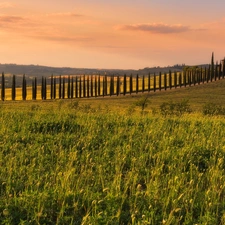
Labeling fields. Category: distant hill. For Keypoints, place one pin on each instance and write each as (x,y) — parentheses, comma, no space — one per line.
(39,71)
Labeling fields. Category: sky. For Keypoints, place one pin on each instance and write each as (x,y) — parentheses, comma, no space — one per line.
(118,34)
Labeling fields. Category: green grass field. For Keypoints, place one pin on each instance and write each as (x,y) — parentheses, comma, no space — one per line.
(105,161)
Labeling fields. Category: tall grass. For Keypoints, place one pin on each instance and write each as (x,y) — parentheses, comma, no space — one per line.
(78,165)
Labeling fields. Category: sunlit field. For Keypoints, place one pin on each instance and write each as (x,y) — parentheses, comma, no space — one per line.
(110,161)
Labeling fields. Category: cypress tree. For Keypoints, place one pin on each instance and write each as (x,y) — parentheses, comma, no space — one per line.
(60,87)
(3,87)
(106,85)
(84,87)
(170,79)
(52,88)
(154,82)
(34,89)
(131,84)
(143,83)
(72,88)
(63,88)
(24,88)
(212,67)
(88,87)
(13,87)
(175,79)
(76,87)
(220,72)
(223,75)
(216,71)
(92,86)
(149,82)
(96,86)
(68,87)
(160,80)
(180,81)
(124,84)
(137,84)
(45,88)
(118,86)
(113,89)
(99,85)
(209,74)
(80,87)
(204,75)
(165,81)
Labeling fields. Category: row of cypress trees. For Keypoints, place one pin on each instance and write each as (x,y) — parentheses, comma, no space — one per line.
(93,86)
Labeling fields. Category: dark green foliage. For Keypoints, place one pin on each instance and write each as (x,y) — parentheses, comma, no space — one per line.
(92,86)
(208,74)
(96,86)
(111,88)
(34,89)
(13,87)
(175,79)
(72,88)
(170,79)
(175,109)
(84,87)
(154,85)
(185,78)
(212,109)
(52,87)
(180,79)
(24,88)
(216,71)
(223,68)
(137,83)
(88,87)
(99,85)
(60,87)
(3,87)
(124,84)
(165,81)
(143,103)
(118,86)
(68,87)
(63,87)
(131,84)
(80,87)
(149,82)
(212,67)
(143,84)
(76,87)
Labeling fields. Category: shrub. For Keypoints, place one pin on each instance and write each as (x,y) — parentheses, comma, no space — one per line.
(177,109)
(212,109)
(142,103)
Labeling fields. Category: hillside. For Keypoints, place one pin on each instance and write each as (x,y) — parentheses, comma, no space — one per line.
(37,70)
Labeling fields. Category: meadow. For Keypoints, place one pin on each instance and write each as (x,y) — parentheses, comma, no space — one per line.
(109,161)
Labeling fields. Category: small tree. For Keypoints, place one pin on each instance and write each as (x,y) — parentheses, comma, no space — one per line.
(13,87)
(3,87)
(24,88)
(212,67)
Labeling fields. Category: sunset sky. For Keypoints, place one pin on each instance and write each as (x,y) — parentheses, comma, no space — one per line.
(118,34)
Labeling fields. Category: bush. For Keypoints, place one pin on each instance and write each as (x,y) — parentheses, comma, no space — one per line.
(213,109)
(177,109)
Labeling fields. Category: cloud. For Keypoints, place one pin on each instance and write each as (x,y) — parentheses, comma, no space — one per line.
(10,19)
(160,28)
(68,14)
(63,38)
(6,5)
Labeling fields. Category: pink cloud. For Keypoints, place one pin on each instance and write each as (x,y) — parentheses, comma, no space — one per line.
(160,28)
